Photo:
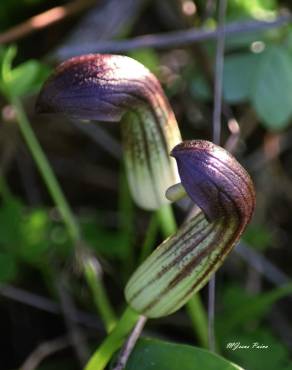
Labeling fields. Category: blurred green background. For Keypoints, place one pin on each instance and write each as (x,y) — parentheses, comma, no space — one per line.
(40,279)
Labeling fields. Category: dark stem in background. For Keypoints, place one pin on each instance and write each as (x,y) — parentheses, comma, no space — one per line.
(173,39)
(219,73)
(130,343)
(76,337)
(43,20)
(216,139)
(44,350)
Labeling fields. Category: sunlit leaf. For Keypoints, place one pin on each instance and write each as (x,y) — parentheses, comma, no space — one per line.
(239,71)
(271,93)
(148,57)
(27,78)
(23,79)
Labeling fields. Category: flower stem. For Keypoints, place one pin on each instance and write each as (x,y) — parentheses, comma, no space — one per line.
(46,171)
(54,189)
(114,340)
(167,220)
(99,295)
(150,236)
(199,319)
(130,343)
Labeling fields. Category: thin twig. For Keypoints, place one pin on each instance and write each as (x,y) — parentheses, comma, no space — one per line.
(173,39)
(261,264)
(218,78)
(216,139)
(130,343)
(44,350)
(46,304)
(43,20)
(77,339)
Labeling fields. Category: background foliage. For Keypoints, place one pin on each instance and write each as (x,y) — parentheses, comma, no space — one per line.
(36,254)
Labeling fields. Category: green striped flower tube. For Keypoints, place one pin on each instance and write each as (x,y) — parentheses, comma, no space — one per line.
(114,88)
(184,263)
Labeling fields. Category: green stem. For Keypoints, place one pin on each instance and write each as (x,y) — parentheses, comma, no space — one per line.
(60,201)
(199,319)
(126,224)
(150,237)
(99,295)
(115,339)
(113,342)
(194,306)
(167,220)
(46,171)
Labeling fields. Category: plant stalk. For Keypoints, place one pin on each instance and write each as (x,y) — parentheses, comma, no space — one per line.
(56,193)
(100,297)
(113,341)
(46,172)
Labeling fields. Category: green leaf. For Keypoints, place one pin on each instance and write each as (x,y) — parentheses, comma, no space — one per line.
(8,267)
(152,354)
(35,241)
(271,92)
(27,78)
(254,8)
(6,57)
(22,80)
(148,57)
(200,88)
(108,243)
(242,308)
(10,221)
(243,40)
(239,70)
(258,236)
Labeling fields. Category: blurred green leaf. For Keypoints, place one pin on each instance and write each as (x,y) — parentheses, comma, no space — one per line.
(255,8)
(244,40)
(10,221)
(152,354)
(148,57)
(239,71)
(27,78)
(109,243)
(241,308)
(6,57)
(8,267)
(271,92)
(258,236)
(200,88)
(35,241)
(23,79)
